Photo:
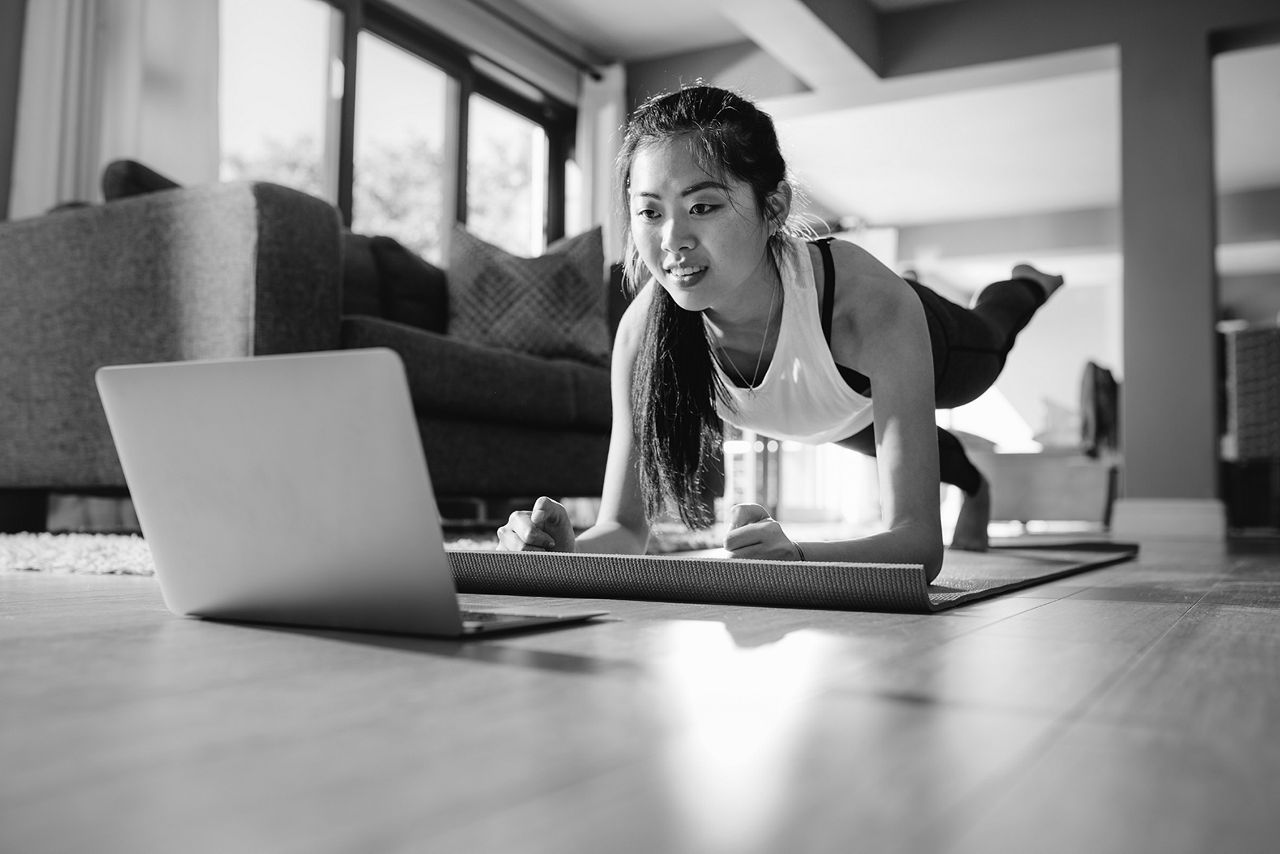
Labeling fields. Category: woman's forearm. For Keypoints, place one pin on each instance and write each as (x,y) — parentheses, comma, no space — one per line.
(901,545)
(612,538)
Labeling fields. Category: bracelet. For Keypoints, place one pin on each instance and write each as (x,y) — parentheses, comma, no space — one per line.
(801,550)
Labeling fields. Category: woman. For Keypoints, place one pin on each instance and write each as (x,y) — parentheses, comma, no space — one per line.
(742,320)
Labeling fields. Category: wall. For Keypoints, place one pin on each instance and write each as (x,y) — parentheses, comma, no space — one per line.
(12,18)
(1243,217)
(1250,297)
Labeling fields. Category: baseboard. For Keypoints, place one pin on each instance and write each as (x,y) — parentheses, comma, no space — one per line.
(1169,518)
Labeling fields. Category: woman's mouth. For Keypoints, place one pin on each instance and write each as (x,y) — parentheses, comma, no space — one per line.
(685,275)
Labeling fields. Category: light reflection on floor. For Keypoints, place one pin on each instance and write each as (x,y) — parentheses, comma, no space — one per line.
(737,716)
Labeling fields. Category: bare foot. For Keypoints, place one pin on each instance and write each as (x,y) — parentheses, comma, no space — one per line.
(970,534)
(1044,280)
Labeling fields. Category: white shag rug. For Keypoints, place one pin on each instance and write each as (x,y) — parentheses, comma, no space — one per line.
(93,554)
(128,554)
(104,554)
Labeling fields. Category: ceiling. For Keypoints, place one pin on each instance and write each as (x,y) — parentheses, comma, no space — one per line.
(628,31)
(1021,137)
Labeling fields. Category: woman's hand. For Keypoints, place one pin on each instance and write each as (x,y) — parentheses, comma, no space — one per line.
(754,534)
(545,528)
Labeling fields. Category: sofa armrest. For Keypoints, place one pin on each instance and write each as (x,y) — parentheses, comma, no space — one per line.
(212,271)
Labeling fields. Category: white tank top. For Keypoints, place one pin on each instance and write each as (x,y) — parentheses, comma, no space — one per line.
(802,396)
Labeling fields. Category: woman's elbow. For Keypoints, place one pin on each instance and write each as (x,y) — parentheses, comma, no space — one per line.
(929,552)
(933,563)
(921,544)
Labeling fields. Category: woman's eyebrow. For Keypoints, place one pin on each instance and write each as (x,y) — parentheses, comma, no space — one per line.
(687,191)
(704,185)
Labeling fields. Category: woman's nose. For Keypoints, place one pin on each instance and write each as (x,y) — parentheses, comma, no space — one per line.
(676,235)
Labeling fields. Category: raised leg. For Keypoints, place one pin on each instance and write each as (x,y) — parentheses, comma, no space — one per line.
(1050,283)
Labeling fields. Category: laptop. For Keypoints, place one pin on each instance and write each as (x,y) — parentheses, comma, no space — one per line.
(291,490)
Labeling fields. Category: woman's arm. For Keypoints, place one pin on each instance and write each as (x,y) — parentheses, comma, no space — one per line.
(878,329)
(621,526)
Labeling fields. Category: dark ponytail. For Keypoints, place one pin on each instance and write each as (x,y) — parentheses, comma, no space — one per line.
(674,383)
(678,431)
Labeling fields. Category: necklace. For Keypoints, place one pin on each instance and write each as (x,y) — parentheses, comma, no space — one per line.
(764,342)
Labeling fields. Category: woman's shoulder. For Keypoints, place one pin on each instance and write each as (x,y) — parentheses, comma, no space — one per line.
(639,304)
(870,298)
(853,264)
(631,325)
(856,265)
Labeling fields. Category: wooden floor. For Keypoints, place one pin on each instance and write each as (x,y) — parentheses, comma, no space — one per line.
(1131,709)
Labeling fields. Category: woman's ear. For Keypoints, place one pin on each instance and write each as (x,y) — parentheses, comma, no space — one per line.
(779,204)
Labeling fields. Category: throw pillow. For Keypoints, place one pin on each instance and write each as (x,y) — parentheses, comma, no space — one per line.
(361,292)
(382,278)
(413,290)
(123,178)
(552,306)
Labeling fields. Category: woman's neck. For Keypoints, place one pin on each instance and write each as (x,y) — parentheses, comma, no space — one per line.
(739,324)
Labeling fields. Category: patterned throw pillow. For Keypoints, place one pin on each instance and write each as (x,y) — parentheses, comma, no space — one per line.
(552,306)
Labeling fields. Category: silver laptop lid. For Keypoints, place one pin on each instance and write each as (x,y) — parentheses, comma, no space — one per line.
(285,489)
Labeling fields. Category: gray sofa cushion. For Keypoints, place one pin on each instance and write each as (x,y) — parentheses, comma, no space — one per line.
(488,459)
(452,378)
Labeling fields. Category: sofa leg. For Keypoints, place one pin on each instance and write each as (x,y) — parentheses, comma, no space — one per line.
(462,511)
(94,511)
(24,510)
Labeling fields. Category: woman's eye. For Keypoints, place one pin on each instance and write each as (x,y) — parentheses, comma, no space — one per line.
(701,209)
(646,213)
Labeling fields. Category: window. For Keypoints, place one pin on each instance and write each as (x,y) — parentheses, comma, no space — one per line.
(506,178)
(276,97)
(412,135)
(402,181)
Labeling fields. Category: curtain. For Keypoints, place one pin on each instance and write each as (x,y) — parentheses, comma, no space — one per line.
(602,112)
(107,79)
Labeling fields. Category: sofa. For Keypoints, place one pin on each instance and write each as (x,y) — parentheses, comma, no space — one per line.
(161,273)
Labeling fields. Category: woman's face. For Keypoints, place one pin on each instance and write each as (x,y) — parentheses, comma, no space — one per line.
(702,237)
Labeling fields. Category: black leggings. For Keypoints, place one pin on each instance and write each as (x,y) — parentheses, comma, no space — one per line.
(970,346)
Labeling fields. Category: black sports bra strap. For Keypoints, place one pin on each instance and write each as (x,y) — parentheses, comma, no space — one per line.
(828,287)
(857,381)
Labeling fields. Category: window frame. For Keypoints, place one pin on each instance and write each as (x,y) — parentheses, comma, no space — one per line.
(557,119)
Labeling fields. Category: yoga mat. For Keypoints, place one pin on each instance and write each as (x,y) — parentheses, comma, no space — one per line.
(965,577)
